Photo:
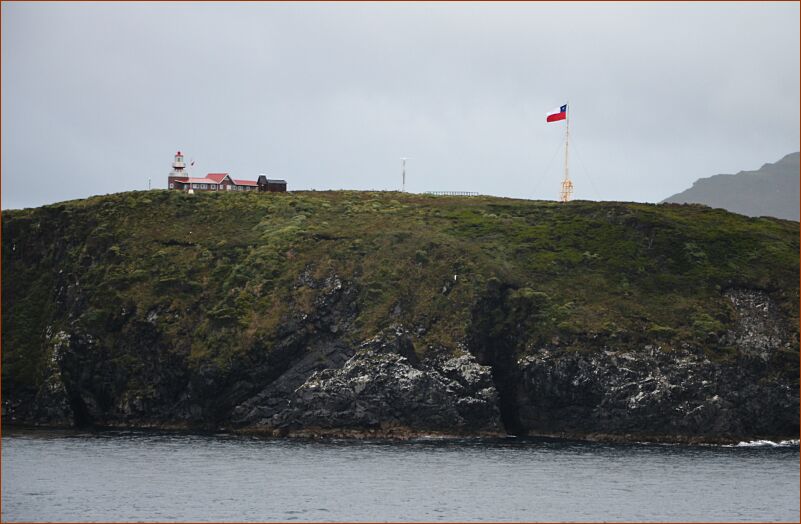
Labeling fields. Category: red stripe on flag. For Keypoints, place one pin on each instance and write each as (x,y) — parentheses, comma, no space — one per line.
(556,117)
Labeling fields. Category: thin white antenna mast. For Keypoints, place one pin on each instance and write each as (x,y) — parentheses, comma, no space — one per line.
(403,173)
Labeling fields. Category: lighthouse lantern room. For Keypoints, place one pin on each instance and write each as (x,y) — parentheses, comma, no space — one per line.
(178,165)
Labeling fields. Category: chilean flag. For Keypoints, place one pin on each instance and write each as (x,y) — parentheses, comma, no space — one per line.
(557,114)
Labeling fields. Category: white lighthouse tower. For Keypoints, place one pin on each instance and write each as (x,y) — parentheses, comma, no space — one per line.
(177,172)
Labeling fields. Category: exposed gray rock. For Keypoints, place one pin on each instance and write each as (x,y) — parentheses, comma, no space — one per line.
(380,387)
(275,398)
(675,395)
(758,326)
(52,404)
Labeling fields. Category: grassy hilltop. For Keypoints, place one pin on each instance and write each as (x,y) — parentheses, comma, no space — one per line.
(219,274)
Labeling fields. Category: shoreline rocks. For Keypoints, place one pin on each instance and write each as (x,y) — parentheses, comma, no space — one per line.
(384,385)
(382,389)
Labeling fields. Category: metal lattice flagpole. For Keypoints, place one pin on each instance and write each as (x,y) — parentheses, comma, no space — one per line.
(567,186)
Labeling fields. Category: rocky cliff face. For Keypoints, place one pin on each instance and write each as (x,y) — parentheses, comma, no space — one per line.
(381,387)
(345,353)
(673,395)
(384,389)
(660,396)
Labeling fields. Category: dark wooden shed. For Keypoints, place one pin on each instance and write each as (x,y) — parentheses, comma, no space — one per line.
(271,186)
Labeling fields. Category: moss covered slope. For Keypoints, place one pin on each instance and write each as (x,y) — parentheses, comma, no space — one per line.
(218,277)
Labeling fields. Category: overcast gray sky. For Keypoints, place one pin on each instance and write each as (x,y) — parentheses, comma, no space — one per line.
(96,98)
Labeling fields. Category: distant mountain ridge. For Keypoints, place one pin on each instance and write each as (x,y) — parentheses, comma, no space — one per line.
(772,190)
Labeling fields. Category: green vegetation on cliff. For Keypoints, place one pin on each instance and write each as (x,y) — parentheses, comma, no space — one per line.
(218,275)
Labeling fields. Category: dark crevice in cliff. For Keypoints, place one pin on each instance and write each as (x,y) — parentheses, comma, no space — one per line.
(219,391)
(81,416)
(505,380)
(495,332)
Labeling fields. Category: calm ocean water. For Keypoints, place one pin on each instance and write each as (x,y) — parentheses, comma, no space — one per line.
(134,476)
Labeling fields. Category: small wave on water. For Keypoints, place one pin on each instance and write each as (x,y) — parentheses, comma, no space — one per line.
(766,444)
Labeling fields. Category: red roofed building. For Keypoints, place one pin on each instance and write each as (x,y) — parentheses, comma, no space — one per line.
(180,179)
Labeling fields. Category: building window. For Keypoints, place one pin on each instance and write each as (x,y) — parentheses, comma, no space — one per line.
(214,186)
(172,185)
